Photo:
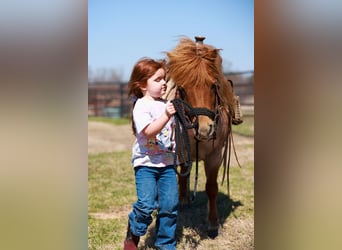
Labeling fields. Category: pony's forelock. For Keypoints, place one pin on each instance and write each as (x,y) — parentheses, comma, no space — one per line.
(197,65)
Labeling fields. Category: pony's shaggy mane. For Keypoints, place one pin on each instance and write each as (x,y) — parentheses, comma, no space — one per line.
(192,65)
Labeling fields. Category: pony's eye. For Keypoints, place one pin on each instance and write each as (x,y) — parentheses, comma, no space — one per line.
(215,87)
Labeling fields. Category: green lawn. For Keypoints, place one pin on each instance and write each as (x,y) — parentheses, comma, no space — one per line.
(114,121)
(111,192)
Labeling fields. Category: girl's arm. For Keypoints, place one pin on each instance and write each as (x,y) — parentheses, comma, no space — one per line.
(157,125)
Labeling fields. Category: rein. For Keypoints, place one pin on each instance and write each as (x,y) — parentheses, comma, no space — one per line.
(185,113)
(183,123)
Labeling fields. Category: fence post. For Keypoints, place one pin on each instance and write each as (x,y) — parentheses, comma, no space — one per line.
(121,100)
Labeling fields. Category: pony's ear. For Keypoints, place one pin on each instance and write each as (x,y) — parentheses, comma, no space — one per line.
(168,54)
(212,54)
(216,52)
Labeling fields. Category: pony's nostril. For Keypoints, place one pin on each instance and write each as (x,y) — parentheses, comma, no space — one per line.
(211,129)
(206,131)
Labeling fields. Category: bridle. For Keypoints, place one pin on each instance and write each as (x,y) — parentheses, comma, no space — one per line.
(186,117)
(192,113)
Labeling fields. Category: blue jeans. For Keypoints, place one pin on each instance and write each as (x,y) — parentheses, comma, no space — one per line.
(157,188)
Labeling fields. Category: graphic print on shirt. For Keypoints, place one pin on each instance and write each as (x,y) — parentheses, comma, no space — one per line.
(160,143)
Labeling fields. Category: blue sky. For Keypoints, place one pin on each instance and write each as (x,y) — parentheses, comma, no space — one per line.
(122,31)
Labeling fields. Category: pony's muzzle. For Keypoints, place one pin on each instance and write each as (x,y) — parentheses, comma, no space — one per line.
(205,129)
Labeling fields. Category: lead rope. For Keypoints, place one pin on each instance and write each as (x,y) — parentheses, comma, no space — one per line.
(196,176)
(182,137)
(228,147)
(226,163)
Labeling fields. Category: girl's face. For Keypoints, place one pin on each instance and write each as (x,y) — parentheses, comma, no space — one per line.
(156,85)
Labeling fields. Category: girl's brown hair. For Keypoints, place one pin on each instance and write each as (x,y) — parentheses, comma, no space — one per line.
(142,71)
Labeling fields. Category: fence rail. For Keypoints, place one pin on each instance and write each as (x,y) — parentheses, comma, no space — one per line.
(110,99)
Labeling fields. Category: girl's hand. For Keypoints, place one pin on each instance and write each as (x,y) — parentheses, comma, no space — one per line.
(156,126)
(170,109)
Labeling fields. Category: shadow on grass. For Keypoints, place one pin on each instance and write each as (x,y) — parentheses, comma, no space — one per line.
(195,218)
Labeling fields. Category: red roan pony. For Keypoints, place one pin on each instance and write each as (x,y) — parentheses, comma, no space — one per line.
(205,101)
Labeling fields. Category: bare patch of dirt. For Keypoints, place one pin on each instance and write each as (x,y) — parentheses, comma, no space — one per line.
(117,213)
(244,148)
(103,137)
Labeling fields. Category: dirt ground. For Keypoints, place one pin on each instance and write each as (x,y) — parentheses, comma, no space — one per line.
(104,137)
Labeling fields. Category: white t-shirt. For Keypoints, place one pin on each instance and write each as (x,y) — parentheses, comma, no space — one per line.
(154,152)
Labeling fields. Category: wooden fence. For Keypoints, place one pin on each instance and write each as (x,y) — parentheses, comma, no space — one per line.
(109,99)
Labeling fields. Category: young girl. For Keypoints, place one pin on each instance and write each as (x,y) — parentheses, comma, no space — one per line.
(152,157)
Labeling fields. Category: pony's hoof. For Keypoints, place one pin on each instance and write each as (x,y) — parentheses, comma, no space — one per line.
(213,233)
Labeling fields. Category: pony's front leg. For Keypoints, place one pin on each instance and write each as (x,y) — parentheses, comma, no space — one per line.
(184,184)
(211,189)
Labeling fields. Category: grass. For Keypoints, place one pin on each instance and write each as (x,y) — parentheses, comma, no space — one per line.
(111,192)
(111,188)
(246,128)
(102,233)
(110,181)
(113,121)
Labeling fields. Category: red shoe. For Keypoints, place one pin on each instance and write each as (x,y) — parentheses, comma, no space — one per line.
(129,244)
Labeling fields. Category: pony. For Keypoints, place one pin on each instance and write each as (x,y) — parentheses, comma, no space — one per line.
(195,76)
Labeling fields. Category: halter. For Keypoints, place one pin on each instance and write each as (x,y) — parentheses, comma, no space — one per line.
(186,117)
(192,113)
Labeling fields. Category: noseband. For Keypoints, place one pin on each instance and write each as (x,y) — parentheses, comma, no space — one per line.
(189,114)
